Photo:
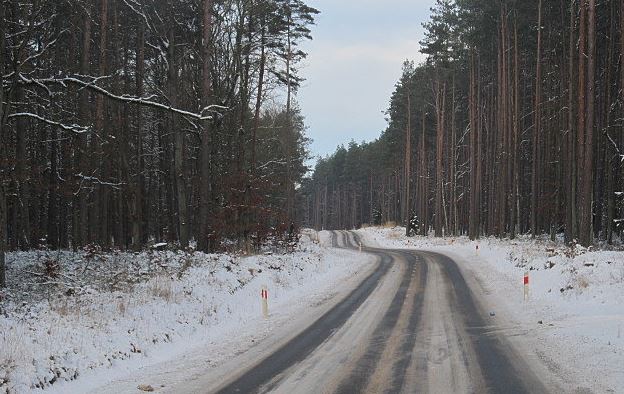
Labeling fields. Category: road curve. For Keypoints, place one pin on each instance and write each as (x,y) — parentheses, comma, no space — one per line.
(412,326)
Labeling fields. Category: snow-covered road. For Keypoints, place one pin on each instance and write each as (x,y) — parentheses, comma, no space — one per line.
(413,325)
(572,325)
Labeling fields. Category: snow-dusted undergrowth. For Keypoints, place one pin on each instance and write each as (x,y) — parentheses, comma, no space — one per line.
(98,310)
(574,318)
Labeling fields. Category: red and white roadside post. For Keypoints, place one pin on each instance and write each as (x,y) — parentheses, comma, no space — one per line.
(526,285)
(264,294)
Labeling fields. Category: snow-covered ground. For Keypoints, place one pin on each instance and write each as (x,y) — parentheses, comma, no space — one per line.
(99,317)
(574,318)
(76,320)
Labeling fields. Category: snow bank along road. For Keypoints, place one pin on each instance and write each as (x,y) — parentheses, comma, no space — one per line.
(412,325)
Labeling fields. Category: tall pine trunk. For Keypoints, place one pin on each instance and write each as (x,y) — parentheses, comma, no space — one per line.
(515,203)
(178,148)
(136,206)
(571,202)
(205,189)
(424,192)
(440,115)
(259,94)
(82,161)
(473,227)
(408,165)
(3,175)
(537,128)
(588,164)
(581,109)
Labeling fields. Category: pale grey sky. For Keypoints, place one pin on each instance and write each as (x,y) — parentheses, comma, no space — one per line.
(354,62)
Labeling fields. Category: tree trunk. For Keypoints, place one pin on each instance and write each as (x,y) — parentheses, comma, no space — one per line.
(588,164)
(3,221)
(617,161)
(537,128)
(423,178)
(258,98)
(81,157)
(205,189)
(289,128)
(178,148)
(580,130)
(102,195)
(479,148)
(513,206)
(453,166)
(3,216)
(53,203)
(137,190)
(408,165)
(3,226)
(22,177)
(571,202)
(473,231)
(440,103)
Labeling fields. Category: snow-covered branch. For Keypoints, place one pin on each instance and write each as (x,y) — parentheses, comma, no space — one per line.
(64,81)
(42,51)
(134,6)
(615,146)
(73,127)
(268,163)
(95,180)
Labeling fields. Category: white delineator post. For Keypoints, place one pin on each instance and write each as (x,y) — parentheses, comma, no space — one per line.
(264,294)
(360,246)
(477,249)
(526,285)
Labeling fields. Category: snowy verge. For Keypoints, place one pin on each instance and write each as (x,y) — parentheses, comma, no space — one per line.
(69,335)
(574,318)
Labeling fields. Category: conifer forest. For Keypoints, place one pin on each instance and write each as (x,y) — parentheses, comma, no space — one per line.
(128,122)
(513,125)
(125,123)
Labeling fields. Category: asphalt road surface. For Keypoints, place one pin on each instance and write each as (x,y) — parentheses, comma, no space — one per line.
(411,326)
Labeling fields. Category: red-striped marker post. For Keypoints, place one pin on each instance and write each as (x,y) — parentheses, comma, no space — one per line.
(264,294)
(526,285)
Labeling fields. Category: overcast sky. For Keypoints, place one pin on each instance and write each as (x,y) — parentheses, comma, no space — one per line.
(354,62)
